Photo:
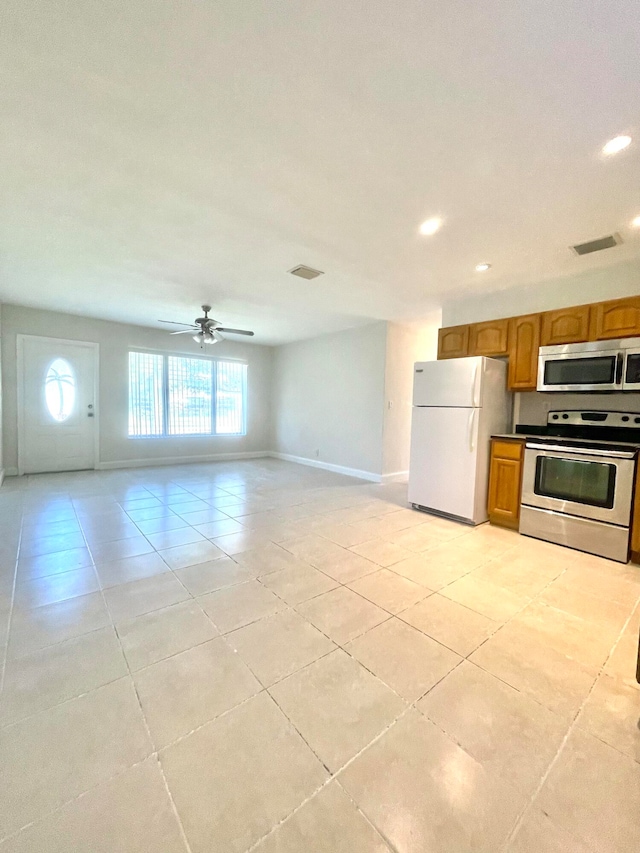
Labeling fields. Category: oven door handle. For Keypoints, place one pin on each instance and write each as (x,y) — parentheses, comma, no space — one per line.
(558,448)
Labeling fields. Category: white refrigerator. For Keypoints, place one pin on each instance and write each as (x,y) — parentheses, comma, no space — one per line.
(458,404)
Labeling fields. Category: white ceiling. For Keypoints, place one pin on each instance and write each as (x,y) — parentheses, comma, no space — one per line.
(160,153)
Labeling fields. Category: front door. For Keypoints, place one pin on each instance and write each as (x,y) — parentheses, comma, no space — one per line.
(58,411)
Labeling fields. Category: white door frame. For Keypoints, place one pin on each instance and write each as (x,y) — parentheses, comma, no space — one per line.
(20,341)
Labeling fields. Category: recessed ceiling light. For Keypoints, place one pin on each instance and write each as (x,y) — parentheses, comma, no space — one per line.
(483,267)
(635,222)
(614,146)
(430,226)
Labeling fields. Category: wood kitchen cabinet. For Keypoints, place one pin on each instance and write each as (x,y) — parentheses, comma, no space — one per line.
(453,342)
(490,338)
(619,318)
(524,342)
(505,482)
(565,326)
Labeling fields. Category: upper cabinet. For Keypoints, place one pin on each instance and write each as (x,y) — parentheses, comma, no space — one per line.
(565,326)
(490,338)
(524,342)
(619,318)
(453,342)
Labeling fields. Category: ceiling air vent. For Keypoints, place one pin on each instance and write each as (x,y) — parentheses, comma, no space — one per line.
(597,245)
(305,272)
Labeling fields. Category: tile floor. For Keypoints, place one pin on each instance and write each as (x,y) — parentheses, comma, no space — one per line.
(261,656)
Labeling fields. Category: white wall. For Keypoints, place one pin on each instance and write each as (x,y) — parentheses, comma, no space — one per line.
(406,344)
(582,288)
(328,398)
(115,340)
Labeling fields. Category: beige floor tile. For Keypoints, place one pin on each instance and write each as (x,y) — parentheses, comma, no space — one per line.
(417,539)
(431,574)
(34,546)
(593,608)
(593,792)
(267,559)
(403,657)
(279,645)
(191,554)
(52,588)
(342,534)
(214,574)
(38,627)
(516,655)
(130,569)
(46,565)
(313,549)
(346,566)
(390,591)
(182,692)
(213,529)
(494,602)
(52,675)
(509,733)
(240,605)
(161,523)
(612,714)
(538,834)
(158,635)
(610,581)
(382,552)
(518,576)
(423,792)
(337,706)
(623,661)
(130,813)
(328,823)
(246,540)
(173,538)
(451,624)
(107,552)
(298,583)
(570,635)
(342,614)
(54,756)
(229,804)
(129,600)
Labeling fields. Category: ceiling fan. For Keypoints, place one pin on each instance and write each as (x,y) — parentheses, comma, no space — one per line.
(208,329)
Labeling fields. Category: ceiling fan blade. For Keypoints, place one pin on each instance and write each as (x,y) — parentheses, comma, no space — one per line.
(174,323)
(185,331)
(234,331)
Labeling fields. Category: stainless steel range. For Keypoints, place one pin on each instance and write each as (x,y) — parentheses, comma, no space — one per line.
(577,485)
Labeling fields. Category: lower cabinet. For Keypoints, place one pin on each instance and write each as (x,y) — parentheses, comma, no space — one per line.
(505,482)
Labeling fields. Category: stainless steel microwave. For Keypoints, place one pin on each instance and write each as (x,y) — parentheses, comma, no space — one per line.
(593,366)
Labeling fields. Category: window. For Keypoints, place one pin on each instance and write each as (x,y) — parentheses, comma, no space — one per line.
(174,395)
(60,389)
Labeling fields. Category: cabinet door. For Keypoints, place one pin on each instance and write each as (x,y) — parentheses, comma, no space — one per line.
(489,338)
(619,318)
(505,483)
(524,342)
(565,326)
(453,342)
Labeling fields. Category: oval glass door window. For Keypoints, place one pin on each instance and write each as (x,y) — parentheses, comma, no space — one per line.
(60,389)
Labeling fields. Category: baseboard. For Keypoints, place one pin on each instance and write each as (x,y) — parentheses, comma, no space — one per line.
(10,472)
(396,477)
(154,462)
(328,466)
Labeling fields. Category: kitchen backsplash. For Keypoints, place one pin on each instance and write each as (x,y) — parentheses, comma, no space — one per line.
(532,408)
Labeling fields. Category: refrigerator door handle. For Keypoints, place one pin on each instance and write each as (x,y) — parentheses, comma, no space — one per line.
(472,418)
(474,387)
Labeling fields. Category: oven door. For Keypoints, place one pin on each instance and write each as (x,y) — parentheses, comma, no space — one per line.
(593,484)
(581,371)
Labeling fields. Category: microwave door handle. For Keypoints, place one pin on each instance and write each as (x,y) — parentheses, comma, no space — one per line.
(619,366)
